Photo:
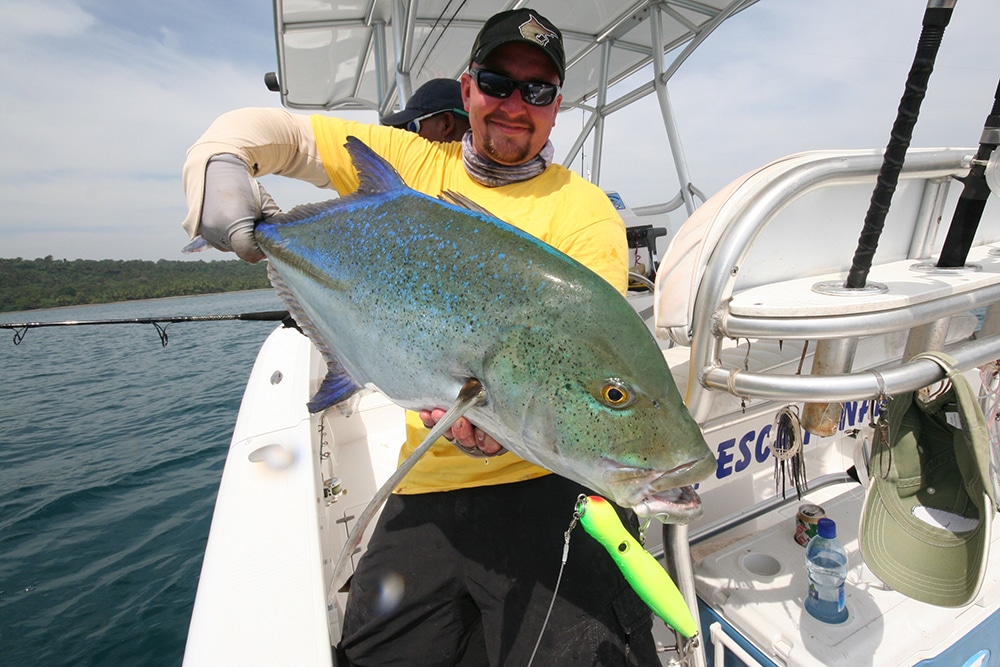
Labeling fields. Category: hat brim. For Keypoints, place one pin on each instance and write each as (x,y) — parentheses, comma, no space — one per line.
(929,564)
(401,117)
(926,562)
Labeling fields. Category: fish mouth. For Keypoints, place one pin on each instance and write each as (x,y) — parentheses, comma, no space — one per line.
(667,496)
(679,505)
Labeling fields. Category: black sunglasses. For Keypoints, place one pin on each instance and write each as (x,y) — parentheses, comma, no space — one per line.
(535,93)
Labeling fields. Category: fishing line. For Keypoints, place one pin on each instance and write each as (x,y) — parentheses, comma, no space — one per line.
(881,434)
(440,35)
(641,571)
(562,566)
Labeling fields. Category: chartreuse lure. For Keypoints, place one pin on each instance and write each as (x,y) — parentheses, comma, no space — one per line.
(643,573)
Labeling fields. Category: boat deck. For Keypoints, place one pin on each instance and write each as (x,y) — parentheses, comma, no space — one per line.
(757,584)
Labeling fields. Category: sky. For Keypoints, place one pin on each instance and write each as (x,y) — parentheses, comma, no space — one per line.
(100,100)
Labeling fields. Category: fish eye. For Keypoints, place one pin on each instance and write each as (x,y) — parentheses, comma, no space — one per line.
(616,394)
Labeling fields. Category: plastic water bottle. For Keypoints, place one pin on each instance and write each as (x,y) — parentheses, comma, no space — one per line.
(826,562)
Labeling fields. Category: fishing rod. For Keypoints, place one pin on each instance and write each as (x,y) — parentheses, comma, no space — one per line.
(975,192)
(21,328)
(833,357)
(936,18)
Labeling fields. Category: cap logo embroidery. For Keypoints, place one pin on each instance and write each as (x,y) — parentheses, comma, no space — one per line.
(534,30)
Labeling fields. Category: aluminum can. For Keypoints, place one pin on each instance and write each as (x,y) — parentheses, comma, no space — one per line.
(805,522)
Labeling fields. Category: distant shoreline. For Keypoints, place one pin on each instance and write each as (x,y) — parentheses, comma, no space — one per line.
(40,284)
(155,298)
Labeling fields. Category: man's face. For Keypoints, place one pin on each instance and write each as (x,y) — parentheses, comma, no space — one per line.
(509,130)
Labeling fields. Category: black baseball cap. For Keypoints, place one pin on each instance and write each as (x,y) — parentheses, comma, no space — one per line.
(521,25)
(435,96)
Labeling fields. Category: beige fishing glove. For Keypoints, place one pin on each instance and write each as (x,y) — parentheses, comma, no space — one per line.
(233,203)
(223,198)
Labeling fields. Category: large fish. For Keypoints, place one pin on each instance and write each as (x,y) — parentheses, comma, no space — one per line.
(414,296)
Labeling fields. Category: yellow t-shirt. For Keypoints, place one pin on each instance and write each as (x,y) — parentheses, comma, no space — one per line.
(557,207)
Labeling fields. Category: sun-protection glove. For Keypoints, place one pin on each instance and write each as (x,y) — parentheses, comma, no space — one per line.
(233,203)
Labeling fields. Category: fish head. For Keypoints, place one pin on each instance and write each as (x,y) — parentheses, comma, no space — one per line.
(602,412)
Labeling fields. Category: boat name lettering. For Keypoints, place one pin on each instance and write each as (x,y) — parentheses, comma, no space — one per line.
(736,454)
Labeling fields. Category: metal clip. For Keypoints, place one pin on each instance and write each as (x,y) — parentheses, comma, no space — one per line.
(880,438)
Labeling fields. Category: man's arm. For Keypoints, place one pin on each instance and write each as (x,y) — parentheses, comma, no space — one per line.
(266,141)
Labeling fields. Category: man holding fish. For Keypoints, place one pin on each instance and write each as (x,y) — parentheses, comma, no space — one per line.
(474,539)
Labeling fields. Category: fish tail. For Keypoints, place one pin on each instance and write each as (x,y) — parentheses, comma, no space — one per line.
(197,245)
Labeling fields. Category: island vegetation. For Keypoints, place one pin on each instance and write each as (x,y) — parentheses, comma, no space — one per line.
(49,283)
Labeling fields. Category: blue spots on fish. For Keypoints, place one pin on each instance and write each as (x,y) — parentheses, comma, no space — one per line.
(415,295)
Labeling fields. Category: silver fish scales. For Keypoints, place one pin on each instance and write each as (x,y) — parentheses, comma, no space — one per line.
(415,296)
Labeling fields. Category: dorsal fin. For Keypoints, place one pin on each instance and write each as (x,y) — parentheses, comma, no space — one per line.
(300,212)
(460,200)
(375,174)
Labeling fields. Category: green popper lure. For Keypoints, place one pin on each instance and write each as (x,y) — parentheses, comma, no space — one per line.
(643,573)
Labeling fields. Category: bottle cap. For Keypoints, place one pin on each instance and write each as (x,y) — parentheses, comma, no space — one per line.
(826,528)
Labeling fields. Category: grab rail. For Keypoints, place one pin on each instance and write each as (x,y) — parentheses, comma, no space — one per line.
(748,220)
(896,379)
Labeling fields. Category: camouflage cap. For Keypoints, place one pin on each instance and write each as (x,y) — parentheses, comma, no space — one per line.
(521,25)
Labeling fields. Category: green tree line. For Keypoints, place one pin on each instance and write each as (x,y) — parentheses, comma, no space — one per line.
(50,283)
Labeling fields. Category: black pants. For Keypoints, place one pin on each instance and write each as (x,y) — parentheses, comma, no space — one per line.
(466,578)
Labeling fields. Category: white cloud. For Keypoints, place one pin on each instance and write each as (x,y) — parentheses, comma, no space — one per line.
(42,18)
(100,103)
(97,121)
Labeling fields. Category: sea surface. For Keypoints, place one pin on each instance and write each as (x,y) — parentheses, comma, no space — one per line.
(111,452)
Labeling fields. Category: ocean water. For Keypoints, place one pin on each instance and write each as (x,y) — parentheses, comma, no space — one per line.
(111,452)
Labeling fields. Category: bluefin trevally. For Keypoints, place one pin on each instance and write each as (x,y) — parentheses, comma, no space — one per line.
(414,296)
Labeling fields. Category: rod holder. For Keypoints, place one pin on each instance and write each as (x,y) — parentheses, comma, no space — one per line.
(833,357)
(926,337)
(991,322)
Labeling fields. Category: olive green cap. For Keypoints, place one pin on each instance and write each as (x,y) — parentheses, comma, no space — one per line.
(926,521)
